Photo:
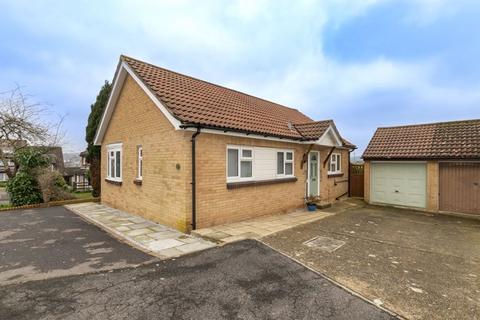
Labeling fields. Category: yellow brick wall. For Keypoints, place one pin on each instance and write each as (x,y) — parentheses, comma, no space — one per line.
(366,181)
(332,187)
(432,185)
(217,205)
(164,194)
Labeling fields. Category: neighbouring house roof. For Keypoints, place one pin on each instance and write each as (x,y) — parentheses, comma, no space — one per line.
(55,155)
(442,140)
(84,153)
(193,102)
(70,171)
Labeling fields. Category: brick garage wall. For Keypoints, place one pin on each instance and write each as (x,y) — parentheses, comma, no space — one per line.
(164,195)
(217,205)
(366,181)
(432,185)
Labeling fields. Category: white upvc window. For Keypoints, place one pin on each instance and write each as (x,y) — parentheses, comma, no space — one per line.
(140,163)
(239,163)
(285,163)
(335,165)
(114,164)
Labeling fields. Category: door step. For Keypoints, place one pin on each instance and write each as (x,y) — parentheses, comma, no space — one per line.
(322,205)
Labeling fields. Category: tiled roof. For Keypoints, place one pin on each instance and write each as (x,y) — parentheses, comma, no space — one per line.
(194,101)
(442,140)
(313,130)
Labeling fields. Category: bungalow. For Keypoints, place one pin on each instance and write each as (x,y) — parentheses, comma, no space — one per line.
(433,167)
(191,154)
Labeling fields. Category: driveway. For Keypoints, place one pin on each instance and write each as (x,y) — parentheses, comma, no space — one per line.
(420,266)
(243,280)
(51,242)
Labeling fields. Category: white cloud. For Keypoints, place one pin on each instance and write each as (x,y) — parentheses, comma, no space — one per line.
(272,49)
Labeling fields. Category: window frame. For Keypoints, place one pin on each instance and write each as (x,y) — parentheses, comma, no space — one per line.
(337,162)
(139,162)
(114,147)
(285,161)
(241,158)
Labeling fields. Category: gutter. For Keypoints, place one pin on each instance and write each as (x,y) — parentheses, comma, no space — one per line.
(194,181)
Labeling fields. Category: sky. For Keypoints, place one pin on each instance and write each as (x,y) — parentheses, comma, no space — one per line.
(362,63)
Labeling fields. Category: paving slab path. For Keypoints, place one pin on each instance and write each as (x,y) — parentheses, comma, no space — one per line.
(144,234)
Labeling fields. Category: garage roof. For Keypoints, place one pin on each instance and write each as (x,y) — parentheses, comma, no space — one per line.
(441,140)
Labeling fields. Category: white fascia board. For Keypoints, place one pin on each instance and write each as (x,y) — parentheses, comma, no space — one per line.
(335,135)
(125,69)
(247,135)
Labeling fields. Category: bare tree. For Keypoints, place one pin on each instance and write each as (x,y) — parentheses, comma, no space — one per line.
(23,124)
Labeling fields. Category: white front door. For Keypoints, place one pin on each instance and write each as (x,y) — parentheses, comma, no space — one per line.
(313,174)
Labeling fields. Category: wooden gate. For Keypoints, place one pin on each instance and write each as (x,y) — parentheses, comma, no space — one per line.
(356,180)
(459,187)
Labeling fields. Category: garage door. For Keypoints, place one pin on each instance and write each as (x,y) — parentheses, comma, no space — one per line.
(402,184)
(460,187)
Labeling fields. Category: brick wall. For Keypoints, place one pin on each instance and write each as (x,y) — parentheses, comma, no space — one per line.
(164,194)
(432,185)
(217,204)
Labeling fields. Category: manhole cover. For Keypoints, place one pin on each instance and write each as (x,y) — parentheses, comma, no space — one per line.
(324,243)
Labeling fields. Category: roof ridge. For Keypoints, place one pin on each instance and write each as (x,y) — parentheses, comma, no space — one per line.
(313,121)
(211,83)
(429,124)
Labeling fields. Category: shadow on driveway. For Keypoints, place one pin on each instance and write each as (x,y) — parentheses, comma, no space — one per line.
(51,242)
(420,266)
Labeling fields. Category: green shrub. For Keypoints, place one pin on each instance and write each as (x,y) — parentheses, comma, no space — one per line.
(23,189)
(53,186)
(3,184)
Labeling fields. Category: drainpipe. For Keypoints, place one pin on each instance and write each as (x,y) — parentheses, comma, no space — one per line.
(194,182)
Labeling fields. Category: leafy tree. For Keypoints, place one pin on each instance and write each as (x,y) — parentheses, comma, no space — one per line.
(94,154)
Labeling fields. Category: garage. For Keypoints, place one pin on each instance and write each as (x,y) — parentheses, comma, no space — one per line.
(432,166)
(459,187)
(399,183)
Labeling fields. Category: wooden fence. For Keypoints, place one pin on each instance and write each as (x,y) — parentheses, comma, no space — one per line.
(356,180)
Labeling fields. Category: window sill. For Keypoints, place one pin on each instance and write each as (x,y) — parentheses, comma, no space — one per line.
(114,182)
(335,175)
(236,185)
(138,182)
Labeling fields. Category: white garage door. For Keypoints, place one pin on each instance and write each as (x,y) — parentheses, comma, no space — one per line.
(402,184)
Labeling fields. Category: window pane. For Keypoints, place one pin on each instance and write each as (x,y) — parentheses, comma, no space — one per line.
(289,156)
(246,169)
(140,169)
(332,167)
(280,163)
(247,153)
(118,164)
(232,163)
(288,168)
(112,167)
(338,162)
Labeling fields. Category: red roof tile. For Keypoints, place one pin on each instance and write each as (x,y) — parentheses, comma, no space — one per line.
(194,101)
(443,140)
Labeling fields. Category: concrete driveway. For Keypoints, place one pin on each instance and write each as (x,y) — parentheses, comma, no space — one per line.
(243,280)
(52,242)
(420,266)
